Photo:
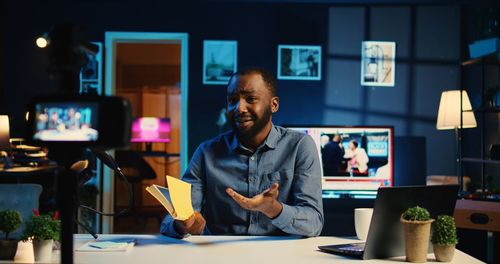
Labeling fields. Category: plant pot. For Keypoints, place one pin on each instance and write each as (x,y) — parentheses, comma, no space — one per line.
(8,248)
(43,250)
(24,252)
(444,253)
(417,235)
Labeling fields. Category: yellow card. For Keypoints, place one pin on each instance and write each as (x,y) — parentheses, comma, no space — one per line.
(180,193)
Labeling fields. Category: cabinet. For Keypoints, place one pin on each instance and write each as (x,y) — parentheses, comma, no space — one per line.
(479,209)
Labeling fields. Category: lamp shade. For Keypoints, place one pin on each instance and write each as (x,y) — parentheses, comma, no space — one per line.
(449,111)
(4,132)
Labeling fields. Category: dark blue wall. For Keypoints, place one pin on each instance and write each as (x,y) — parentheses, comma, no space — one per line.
(428,49)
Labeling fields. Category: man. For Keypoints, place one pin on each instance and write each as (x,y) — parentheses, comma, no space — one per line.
(332,154)
(258,179)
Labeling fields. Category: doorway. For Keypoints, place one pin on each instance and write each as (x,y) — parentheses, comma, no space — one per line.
(149,69)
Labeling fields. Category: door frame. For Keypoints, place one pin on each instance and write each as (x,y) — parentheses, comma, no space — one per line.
(111,39)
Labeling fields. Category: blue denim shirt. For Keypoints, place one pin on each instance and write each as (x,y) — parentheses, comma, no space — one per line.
(287,157)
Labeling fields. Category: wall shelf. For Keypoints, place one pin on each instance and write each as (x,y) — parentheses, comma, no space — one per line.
(481,160)
(490,59)
(484,110)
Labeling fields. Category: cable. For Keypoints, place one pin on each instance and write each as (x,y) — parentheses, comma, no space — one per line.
(111,163)
(90,231)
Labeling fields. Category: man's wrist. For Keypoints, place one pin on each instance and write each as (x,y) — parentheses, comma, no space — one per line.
(179,228)
(274,209)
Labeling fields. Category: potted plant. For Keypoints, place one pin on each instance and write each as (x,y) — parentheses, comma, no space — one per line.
(444,238)
(417,227)
(43,229)
(10,220)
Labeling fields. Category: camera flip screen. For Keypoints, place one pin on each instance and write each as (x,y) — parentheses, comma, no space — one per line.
(66,122)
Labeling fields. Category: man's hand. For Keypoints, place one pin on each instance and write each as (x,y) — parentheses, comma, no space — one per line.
(194,225)
(265,202)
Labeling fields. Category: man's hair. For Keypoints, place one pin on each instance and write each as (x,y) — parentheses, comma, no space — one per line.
(267,77)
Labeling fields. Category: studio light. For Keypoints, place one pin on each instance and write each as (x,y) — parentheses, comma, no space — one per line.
(42,41)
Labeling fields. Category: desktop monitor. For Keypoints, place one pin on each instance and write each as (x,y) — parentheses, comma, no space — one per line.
(150,129)
(355,160)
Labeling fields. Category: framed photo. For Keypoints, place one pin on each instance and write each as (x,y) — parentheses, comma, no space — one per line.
(299,62)
(219,61)
(91,72)
(378,65)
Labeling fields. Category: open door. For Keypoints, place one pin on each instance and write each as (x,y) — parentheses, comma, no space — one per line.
(149,69)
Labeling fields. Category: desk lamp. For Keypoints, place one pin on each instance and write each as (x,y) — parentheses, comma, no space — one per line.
(4,141)
(450,116)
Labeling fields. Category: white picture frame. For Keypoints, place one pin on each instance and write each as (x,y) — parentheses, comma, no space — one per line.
(91,72)
(378,65)
(299,62)
(219,61)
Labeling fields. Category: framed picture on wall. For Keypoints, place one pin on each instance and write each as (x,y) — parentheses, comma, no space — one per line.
(378,65)
(219,61)
(91,72)
(299,62)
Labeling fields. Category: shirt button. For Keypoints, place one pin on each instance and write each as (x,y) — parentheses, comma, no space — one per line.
(252,158)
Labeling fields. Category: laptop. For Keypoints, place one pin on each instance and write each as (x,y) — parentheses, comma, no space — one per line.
(385,236)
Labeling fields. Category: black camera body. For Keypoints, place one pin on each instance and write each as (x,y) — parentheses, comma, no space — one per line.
(79,121)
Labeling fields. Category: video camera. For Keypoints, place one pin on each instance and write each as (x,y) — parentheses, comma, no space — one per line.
(80,121)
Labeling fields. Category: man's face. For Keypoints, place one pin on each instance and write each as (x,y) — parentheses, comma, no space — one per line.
(249,105)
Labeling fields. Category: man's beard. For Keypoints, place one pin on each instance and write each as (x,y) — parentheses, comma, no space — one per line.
(259,124)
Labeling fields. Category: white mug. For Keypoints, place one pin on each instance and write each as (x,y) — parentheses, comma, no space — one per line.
(362,219)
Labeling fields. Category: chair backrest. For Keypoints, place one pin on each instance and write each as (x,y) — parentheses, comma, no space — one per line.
(21,197)
(447,179)
(134,166)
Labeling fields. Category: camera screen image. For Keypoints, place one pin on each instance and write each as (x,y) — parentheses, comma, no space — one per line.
(66,122)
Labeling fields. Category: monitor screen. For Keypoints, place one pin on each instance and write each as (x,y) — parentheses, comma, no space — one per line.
(66,122)
(150,129)
(354,160)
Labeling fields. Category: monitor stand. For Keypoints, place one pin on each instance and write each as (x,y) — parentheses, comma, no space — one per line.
(149,146)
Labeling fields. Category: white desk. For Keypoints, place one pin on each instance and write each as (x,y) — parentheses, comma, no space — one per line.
(151,249)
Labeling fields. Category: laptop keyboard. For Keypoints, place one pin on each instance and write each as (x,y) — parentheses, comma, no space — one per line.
(353,248)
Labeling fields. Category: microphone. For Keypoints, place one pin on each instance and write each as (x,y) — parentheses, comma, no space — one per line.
(111,163)
(106,159)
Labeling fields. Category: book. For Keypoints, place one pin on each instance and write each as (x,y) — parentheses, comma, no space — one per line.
(108,245)
(484,47)
(176,198)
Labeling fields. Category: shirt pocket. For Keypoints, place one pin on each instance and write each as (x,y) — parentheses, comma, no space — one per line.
(283,178)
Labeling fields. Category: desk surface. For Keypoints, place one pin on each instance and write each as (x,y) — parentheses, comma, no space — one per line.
(26,170)
(229,249)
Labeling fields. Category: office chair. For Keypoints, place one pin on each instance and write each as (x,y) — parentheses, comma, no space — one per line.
(447,179)
(136,169)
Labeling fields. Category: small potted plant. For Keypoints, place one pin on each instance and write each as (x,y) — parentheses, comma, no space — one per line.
(10,220)
(417,227)
(43,229)
(444,238)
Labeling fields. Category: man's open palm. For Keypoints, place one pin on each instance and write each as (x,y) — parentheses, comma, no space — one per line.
(265,202)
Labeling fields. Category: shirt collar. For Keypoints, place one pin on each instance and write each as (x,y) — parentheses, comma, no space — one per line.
(270,141)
